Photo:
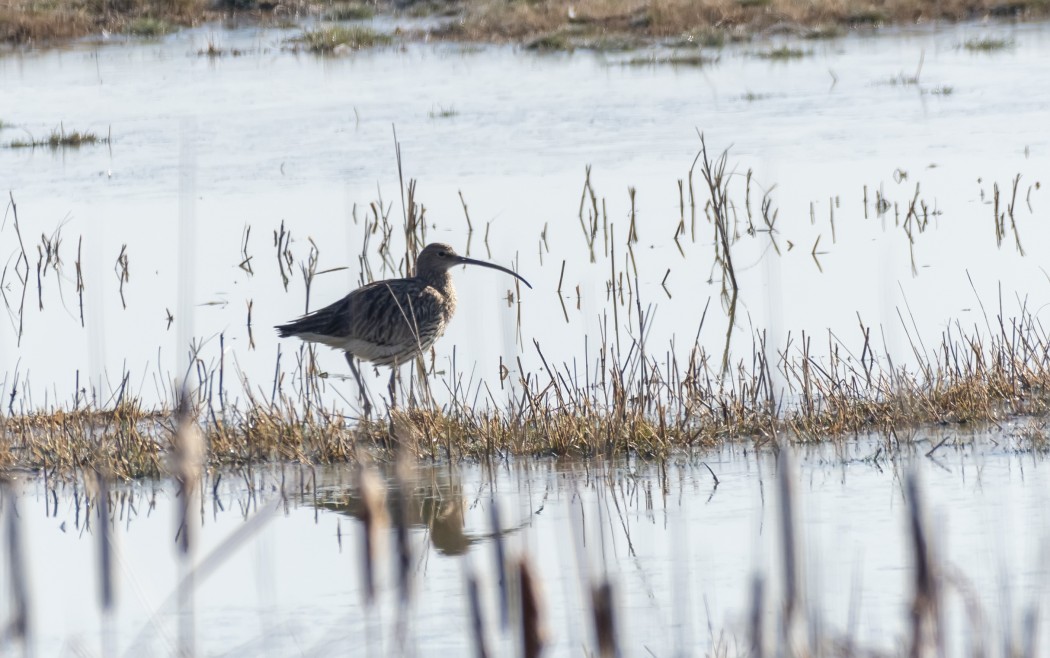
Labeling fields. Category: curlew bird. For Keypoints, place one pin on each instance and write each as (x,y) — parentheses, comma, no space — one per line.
(390,322)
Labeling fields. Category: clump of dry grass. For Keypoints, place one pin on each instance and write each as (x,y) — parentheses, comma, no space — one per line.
(59,138)
(603,24)
(487,20)
(35,22)
(630,406)
(125,440)
(22,24)
(329,40)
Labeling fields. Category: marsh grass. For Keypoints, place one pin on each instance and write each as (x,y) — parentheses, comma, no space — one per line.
(149,27)
(35,22)
(332,40)
(783,53)
(672,59)
(943,90)
(215,51)
(551,42)
(352,11)
(987,44)
(59,138)
(705,38)
(490,20)
(443,112)
(621,22)
(632,405)
(861,16)
(903,79)
(823,31)
(583,37)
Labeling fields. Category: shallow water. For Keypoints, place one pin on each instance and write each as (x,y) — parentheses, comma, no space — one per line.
(681,552)
(204,147)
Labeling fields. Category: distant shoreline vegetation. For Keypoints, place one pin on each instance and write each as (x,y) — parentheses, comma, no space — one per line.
(553,24)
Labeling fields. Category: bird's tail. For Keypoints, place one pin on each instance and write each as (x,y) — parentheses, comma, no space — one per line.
(324,321)
(286,330)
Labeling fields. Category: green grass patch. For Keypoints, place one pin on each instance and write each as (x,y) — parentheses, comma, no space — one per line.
(149,27)
(783,53)
(674,59)
(442,112)
(59,138)
(332,39)
(987,44)
(215,51)
(903,80)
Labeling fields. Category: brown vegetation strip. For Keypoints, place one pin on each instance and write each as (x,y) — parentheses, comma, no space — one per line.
(548,23)
(632,405)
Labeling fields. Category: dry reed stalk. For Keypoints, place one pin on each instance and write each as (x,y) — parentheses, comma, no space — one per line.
(926,624)
(477,620)
(375,521)
(533,617)
(189,456)
(400,501)
(500,550)
(604,617)
(756,626)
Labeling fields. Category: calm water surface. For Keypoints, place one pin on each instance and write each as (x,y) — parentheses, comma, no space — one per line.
(680,552)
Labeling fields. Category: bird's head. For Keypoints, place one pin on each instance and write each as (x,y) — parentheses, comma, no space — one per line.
(437,258)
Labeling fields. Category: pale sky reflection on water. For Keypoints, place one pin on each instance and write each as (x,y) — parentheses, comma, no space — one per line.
(680,552)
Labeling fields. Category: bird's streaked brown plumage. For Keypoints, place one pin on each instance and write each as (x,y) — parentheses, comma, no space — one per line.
(389,322)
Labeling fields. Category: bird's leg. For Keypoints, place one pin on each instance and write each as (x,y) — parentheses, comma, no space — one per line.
(393,404)
(366,403)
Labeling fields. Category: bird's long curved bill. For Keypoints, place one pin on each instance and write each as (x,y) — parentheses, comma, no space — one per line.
(470,261)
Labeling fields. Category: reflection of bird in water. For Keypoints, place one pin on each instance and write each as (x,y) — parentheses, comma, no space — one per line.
(441,514)
(390,322)
(437,507)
